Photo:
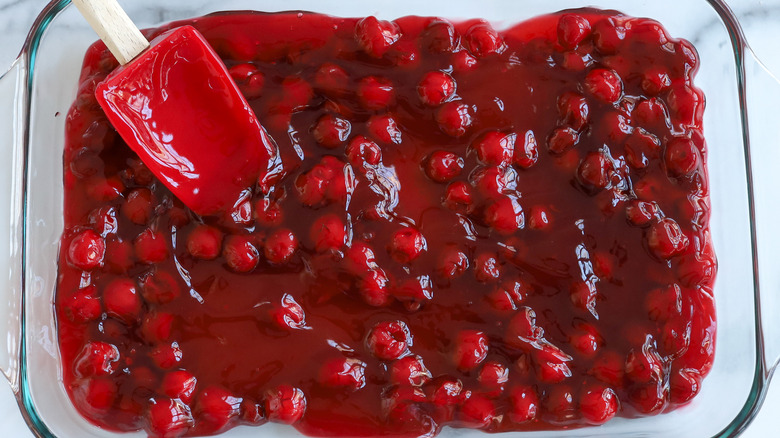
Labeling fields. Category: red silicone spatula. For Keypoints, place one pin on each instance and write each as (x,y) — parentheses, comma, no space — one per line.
(174,103)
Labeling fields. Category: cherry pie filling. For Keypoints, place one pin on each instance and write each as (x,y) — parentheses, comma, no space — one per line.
(502,230)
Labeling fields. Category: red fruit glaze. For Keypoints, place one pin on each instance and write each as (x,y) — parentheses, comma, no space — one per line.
(505,230)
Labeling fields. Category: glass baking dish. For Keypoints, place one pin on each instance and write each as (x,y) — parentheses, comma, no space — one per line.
(37,91)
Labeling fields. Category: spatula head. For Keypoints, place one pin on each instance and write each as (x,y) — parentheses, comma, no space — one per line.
(178,108)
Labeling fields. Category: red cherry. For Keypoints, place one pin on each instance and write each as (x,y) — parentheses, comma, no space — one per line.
(122,300)
(360,258)
(586,342)
(572,29)
(655,81)
(312,186)
(482,40)
(252,412)
(650,113)
(268,213)
(280,246)
(167,356)
(385,129)
(157,326)
(608,367)
(495,148)
(288,315)
(492,182)
(604,84)
(508,296)
(526,155)
(285,404)
(139,206)
(463,61)
(95,395)
(151,246)
(374,288)
(681,156)
(159,287)
(458,196)
(454,118)
(361,151)
(477,412)
(414,291)
(643,366)
(665,238)
(376,36)
(486,267)
(562,139)
(683,385)
(331,79)
(440,36)
(640,213)
(560,405)
(87,250)
(409,370)
(573,109)
(389,340)
(505,215)
(686,105)
(594,171)
(375,92)
(296,93)
(446,395)
(608,34)
(204,242)
(83,306)
(648,399)
(539,218)
(96,359)
(522,329)
(641,147)
(493,377)
(402,405)
(249,80)
(406,245)
(664,303)
(105,189)
(217,408)
(104,220)
(179,384)
(436,87)
(168,418)
(553,371)
(524,404)
(344,373)
(598,404)
(328,233)
(471,348)
(331,131)
(443,166)
(240,253)
(452,263)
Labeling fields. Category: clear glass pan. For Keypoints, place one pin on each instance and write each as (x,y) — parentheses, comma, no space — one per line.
(42,84)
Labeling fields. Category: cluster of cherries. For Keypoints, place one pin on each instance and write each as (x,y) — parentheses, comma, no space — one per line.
(495,230)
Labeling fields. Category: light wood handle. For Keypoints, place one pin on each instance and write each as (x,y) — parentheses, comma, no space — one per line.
(114,27)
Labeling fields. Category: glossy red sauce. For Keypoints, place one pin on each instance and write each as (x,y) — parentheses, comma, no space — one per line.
(497,230)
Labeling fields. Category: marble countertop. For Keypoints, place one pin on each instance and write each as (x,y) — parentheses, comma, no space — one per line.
(760,20)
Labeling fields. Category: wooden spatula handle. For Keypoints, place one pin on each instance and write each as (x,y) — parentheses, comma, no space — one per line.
(114,27)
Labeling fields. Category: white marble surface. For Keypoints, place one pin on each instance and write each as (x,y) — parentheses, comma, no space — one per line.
(16,16)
